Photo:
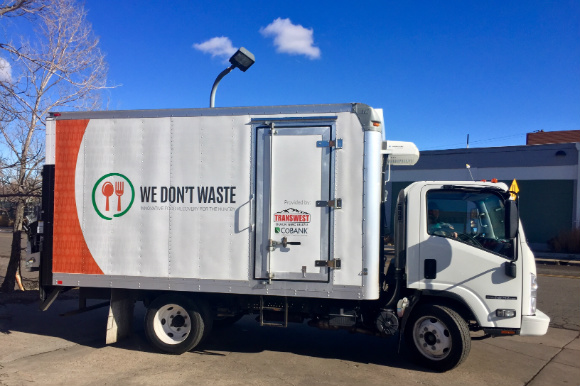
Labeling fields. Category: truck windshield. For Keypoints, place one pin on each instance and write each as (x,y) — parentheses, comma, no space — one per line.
(474,218)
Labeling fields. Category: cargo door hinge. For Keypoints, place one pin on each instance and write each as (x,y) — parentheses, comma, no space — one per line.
(336,263)
(337,144)
(273,130)
(336,204)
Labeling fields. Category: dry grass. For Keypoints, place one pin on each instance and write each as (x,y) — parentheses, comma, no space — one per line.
(566,241)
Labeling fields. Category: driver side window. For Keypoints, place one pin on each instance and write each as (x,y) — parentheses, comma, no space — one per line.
(443,217)
(473,218)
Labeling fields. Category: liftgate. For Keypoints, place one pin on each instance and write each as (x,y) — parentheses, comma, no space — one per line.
(294,198)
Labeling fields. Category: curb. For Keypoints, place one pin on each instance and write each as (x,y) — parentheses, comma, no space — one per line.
(557,256)
(556,261)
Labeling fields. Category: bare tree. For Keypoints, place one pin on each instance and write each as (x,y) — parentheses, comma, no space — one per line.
(59,67)
(13,8)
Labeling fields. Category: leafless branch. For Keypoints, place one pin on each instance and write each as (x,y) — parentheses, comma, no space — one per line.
(60,66)
(14,8)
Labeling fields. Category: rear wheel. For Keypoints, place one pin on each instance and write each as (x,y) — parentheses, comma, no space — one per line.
(437,337)
(175,324)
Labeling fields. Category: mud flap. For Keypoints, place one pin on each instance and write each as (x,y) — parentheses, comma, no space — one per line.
(47,300)
(414,299)
(120,318)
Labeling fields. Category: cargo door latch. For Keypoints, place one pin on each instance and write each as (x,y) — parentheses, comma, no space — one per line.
(336,263)
(337,144)
(284,243)
(336,204)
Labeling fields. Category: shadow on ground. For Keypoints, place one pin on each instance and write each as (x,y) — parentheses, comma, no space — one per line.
(21,314)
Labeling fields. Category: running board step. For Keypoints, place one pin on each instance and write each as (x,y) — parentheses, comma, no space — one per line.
(271,323)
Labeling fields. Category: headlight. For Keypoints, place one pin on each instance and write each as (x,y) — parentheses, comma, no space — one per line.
(533,293)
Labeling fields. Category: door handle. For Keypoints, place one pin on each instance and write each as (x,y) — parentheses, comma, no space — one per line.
(252,216)
(430,269)
(285,242)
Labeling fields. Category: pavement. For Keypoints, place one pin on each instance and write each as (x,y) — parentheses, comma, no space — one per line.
(47,349)
(44,348)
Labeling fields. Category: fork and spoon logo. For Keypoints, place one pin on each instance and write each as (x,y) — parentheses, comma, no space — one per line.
(113,184)
(108,191)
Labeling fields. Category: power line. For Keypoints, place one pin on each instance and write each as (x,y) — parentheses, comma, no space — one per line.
(460,144)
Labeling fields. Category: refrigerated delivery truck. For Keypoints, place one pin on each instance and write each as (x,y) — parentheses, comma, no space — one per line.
(207,215)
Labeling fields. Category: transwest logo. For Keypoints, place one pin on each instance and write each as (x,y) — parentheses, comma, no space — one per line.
(291,222)
(292,215)
(113,195)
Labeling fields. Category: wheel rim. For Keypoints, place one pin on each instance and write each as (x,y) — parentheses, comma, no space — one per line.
(172,324)
(432,338)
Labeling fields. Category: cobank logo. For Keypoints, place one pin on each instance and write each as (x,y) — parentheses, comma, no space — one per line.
(113,195)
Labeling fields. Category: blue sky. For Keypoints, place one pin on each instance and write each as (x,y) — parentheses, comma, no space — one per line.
(440,69)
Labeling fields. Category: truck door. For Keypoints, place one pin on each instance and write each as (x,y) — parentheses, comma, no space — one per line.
(292,194)
(464,250)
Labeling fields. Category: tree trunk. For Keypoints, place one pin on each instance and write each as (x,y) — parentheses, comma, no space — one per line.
(15,252)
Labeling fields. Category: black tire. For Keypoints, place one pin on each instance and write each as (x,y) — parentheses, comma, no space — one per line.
(437,337)
(175,324)
(207,319)
(226,321)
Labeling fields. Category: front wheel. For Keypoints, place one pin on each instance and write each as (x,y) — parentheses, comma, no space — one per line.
(437,337)
(175,324)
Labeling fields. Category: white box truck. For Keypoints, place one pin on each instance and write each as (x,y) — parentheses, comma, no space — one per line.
(207,215)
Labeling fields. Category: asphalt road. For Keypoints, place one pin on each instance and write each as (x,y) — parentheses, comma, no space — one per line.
(559,295)
(47,349)
(44,348)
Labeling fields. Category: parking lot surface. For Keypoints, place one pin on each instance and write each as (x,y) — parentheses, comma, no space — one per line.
(45,348)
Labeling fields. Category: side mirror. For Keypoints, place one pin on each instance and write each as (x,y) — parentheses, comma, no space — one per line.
(511,269)
(511,219)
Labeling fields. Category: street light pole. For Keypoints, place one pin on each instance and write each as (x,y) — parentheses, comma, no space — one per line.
(217,81)
(242,59)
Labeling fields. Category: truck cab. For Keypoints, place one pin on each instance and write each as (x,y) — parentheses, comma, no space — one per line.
(466,265)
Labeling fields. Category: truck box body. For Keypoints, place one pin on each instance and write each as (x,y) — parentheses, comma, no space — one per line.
(260,200)
(207,215)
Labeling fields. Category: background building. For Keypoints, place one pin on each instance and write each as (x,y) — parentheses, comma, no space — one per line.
(547,176)
(544,137)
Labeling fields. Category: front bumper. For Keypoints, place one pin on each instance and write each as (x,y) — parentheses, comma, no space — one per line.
(535,325)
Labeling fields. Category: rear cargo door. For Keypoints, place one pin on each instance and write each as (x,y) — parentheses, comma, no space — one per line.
(293,192)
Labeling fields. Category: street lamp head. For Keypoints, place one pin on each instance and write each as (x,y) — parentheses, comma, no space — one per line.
(242,59)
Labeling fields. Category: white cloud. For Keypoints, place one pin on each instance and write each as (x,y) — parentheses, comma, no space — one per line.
(218,46)
(291,39)
(5,71)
